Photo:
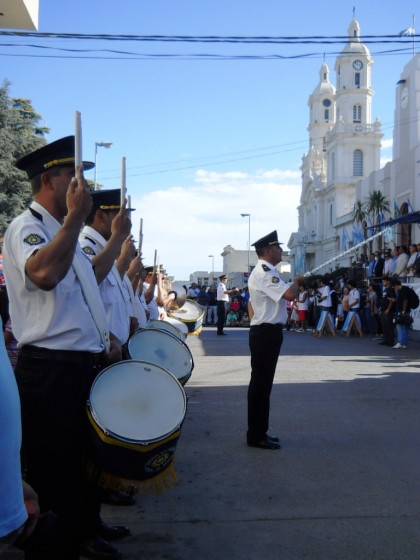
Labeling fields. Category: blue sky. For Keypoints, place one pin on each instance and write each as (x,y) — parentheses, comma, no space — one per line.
(204,140)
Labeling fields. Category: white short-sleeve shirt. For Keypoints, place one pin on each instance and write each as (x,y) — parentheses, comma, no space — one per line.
(266,290)
(57,319)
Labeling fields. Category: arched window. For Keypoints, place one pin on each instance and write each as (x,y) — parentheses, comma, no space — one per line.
(358,163)
(357,113)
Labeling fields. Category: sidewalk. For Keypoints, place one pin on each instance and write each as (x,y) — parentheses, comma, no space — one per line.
(345,485)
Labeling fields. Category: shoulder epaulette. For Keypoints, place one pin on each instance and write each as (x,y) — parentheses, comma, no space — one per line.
(265,267)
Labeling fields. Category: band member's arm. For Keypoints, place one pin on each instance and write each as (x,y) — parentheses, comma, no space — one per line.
(120,229)
(127,254)
(50,264)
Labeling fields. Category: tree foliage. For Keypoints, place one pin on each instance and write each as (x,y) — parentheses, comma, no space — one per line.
(20,134)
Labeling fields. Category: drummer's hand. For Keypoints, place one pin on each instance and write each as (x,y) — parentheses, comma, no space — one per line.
(134,325)
(121,224)
(115,351)
(78,198)
(32,507)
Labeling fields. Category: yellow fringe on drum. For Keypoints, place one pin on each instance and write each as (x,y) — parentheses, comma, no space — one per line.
(156,485)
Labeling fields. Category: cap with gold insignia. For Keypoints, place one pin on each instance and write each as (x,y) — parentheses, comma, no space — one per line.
(267,240)
(55,154)
(109,199)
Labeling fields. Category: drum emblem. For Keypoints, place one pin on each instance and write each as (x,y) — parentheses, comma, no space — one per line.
(159,462)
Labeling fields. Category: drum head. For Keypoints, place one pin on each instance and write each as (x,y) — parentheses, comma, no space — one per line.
(179,325)
(136,401)
(168,327)
(163,349)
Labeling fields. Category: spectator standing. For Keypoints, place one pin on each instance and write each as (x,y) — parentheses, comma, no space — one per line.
(402,308)
(386,306)
(212,306)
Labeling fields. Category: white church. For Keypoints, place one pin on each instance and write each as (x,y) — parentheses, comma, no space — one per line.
(342,165)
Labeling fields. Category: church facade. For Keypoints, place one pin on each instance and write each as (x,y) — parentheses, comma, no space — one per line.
(342,165)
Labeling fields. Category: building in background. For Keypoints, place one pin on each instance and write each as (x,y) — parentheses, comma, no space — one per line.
(342,166)
(19,14)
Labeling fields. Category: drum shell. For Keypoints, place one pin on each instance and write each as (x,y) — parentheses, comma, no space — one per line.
(191,314)
(115,459)
(128,460)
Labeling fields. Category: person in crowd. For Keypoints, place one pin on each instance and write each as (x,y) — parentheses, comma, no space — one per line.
(268,294)
(203,299)
(402,308)
(212,306)
(222,303)
(386,308)
(410,269)
(334,300)
(370,266)
(62,349)
(401,262)
(378,267)
(231,318)
(193,291)
(389,264)
(302,306)
(371,310)
(354,296)
(324,295)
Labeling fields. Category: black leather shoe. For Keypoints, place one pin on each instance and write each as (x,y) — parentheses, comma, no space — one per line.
(273,438)
(99,549)
(113,532)
(265,443)
(221,334)
(116,498)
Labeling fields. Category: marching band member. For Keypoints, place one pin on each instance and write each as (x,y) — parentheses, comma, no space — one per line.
(64,341)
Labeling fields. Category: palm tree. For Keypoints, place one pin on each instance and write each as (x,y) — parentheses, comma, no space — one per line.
(375,206)
(359,216)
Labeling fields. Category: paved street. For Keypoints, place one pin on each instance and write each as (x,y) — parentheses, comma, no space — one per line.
(345,486)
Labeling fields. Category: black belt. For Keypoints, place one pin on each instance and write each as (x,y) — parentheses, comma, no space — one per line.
(90,359)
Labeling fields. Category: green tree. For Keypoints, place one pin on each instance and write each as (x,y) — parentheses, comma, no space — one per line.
(20,134)
(359,216)
(375,206)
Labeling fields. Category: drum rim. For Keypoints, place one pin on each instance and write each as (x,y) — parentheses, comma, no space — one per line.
(119,437)
(173,330)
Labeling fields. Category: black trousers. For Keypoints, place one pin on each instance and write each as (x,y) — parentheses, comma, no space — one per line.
(221,316)
(388,329)
(54,441)
(265,343)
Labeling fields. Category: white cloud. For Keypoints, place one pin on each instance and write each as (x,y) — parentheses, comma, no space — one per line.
(185,224)
(387,144)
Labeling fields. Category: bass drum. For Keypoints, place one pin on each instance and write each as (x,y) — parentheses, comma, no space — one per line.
(163,349)
(135,411)
(172,326)
(191,314)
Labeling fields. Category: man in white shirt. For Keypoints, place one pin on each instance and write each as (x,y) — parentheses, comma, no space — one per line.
(268,296)
(222,301)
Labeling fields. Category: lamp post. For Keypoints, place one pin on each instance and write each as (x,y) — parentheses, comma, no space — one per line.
(99,145)
(249,236)
(212,268)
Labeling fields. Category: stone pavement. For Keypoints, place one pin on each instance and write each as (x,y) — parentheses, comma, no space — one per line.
(345,485)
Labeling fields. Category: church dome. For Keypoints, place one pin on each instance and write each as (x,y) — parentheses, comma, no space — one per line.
(324,86)
(354,46)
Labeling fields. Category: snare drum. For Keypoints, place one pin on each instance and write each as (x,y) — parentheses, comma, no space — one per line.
(191,314)
(135,410)
(172,326)
(163,349)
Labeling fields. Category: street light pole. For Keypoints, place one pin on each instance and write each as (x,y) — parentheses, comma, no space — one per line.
(212,268)
(100,145)
(249,237)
